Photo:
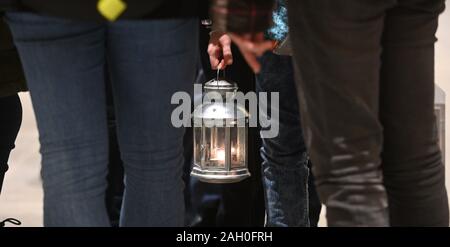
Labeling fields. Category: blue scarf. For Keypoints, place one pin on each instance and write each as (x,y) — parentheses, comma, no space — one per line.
(280,28)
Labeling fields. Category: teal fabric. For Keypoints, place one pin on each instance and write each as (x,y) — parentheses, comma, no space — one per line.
(280,28)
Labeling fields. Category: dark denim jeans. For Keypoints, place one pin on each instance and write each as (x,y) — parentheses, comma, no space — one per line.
(148,61)
(291,198)
(366,82)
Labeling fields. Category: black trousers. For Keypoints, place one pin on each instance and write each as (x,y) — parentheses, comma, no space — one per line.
(366,82)
(11,118)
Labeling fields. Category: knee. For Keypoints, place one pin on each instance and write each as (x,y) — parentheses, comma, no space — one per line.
(288,155)
(419,177)
(155,164)
(74,169)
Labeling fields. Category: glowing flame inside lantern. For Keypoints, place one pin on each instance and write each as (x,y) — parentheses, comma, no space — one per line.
(220,155)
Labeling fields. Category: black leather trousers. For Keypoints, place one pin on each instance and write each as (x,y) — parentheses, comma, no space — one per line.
(366,82)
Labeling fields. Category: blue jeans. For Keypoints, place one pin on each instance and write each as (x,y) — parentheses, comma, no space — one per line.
(148,61)
(291,198)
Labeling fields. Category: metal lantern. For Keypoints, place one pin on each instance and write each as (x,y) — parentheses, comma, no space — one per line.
(220,135)
(439,110)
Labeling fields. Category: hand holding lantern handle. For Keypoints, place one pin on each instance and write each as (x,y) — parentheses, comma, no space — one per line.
(251,47)
(219,50)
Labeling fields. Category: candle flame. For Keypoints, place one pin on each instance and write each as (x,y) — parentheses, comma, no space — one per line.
(220,154)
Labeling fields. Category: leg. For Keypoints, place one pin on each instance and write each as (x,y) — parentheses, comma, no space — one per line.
(206,199)
(337,53)
(149,61)
(114,191)
(285,165)
(63,62)
(11,110)
(250,211)
(412,163)
(315,206)
(243,203)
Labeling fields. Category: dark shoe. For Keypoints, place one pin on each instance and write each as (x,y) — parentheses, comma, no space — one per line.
(10,220)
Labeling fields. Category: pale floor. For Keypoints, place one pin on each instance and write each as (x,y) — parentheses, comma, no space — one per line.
(22,194)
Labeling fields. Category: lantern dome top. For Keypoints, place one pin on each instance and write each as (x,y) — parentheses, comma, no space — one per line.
(220,85)
(223,110)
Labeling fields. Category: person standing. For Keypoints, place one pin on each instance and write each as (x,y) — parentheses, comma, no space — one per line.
(11,82)
(366,84)
(236,204)
(150,50)
(290,195)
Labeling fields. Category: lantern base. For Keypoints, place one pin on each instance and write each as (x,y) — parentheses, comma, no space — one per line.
(220,177)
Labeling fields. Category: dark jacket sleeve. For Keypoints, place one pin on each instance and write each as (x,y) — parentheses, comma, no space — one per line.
(242,16)
(92,10)
(12,79)
(8,4)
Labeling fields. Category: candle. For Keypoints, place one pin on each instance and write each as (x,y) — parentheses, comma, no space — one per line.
(219,155)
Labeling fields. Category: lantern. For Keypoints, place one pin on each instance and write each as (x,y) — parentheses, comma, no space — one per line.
(220,135)
(439,110)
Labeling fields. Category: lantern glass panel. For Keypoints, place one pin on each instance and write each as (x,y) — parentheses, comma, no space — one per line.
(243,138)
(214,148)
(198,149)
(237,147)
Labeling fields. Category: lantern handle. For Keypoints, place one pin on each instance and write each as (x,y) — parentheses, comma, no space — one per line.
(218,74)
